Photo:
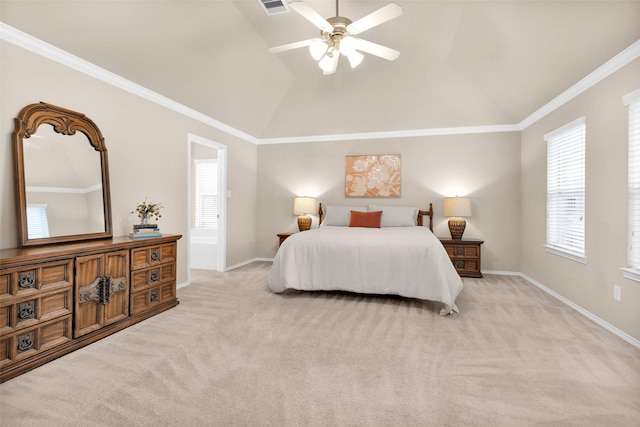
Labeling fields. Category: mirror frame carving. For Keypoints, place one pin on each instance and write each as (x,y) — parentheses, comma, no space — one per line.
(65,122)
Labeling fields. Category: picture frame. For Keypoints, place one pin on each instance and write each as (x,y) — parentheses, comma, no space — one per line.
(373,175)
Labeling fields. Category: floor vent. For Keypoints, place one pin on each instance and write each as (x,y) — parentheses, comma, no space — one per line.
(274,7)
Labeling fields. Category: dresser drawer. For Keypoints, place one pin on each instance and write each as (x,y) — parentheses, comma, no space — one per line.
(28,280)
(31,341)
(153,276)
(152,255)
(43,306)
(151,297)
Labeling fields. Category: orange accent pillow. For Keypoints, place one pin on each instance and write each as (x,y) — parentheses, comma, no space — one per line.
(365,219)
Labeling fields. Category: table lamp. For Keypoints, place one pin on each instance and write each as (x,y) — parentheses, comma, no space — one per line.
(303,206)
(456,208)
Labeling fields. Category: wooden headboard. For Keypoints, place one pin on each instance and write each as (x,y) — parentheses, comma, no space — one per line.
(421,213)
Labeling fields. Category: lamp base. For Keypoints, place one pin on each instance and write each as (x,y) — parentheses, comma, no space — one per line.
(304,222)
(456,227)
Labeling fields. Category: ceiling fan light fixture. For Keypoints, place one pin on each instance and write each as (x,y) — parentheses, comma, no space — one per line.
(355,58)
(317,49)
(347,45)
(326,63)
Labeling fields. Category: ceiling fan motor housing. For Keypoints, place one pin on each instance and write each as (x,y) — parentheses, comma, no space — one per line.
(334,37)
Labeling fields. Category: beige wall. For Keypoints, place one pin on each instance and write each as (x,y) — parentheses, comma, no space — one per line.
(147,146)
(503,173)
(484,167)
(588,285)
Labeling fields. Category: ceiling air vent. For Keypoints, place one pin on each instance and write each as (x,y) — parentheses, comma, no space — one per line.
(274,7)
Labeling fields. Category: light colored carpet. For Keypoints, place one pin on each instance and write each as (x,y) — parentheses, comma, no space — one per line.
(233,353)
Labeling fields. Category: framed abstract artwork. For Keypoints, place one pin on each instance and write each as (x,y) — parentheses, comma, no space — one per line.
(376,175)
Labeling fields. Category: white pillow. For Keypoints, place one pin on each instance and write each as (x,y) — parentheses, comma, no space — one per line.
(396,216)
(339,215)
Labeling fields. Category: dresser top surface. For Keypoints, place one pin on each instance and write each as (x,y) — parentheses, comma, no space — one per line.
(16,256)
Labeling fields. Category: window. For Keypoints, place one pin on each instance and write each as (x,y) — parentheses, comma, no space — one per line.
(206,193)
(37,223)
(633,250)
(566,190)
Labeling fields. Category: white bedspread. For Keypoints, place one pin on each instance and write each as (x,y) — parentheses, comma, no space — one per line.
(406,261)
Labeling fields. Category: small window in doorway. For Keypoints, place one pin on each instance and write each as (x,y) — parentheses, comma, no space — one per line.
(37,223)
(206,193)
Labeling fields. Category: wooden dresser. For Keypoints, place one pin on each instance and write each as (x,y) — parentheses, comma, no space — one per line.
(57,298)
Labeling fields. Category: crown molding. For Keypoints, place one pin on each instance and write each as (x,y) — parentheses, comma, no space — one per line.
(631,53)
(35,45)
(392,134)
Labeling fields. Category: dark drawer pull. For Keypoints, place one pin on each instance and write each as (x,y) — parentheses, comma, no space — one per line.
(27,310)
(25,342)
(26,280)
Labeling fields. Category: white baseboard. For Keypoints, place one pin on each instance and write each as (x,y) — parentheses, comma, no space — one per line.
(501,273)
(249,261)
(609,327)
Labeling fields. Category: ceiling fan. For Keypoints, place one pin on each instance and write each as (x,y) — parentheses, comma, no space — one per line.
(338,36)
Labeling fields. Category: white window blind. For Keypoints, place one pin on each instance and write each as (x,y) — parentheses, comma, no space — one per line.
(566,190)
(633,252)
(206,198)
(37,223)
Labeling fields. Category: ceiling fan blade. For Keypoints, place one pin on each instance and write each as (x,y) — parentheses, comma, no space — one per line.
(313,16)
(290,46)
(377,50)
(380,16)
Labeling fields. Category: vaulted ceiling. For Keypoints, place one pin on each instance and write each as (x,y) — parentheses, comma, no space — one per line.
(463,63)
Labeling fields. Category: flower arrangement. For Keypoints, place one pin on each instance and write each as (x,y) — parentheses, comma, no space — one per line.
(146,210)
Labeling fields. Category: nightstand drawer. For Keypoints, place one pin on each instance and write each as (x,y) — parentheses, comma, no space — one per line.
(463,251)
(466,265)
(472,251)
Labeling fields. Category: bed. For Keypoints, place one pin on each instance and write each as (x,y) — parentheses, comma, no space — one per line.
(401,257)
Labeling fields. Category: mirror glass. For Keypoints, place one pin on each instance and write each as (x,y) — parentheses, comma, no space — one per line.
(63,184)
(61,177)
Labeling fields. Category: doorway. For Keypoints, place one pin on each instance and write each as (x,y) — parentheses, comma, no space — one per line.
(206,211)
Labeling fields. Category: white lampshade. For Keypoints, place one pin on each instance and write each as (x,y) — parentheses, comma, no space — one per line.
(347,45)
(456,207)
(317,49)
(304,205)
(355,58)
(326,63)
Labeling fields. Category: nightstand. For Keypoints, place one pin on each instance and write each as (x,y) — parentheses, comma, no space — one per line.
(465,255)
(283,237)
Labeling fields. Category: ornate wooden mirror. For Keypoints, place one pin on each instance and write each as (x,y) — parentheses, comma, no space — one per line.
(61,176)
